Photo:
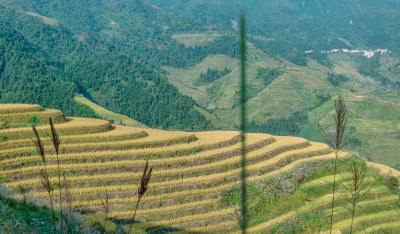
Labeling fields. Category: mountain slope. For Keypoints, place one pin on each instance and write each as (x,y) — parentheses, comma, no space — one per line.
(287,99)
(109,115)
(307,24)
(106,48)
(28,75)
(132,28)
(111,78)
(194,183)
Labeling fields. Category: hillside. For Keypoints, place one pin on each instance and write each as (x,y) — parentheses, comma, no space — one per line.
(115,54)
(193,184)
(113,117)
(19,217)
(286,99)
(306,24)
(65,58)
(28,75)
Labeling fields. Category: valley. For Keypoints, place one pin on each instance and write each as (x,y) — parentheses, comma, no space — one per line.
(373,112)
(153,76)
(135,116)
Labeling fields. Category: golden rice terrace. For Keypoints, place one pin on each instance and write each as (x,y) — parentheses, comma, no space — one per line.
(190,169)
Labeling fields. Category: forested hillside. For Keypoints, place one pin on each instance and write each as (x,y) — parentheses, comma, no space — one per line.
(94,67)
(308,24)
(132,28)
(288,28)
(27,75)
(140,60)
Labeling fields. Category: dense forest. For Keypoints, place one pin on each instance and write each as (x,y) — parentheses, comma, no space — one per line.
(131,28)
(212,75)
(336,80)
(28,76)
(289,126)
(56,65)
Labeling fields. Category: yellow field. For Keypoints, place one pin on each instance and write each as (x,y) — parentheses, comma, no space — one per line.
(190,169)
(109,115)
(73,126)
(115,134)
(15,108)
(42,116)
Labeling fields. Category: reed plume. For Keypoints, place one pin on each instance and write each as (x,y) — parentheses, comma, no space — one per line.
(142,189)
(43,172)
(56,143)
(337,140)
(355,186)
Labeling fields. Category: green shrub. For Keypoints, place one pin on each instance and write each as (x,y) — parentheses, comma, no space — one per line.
(33,119)
(3,138)
(393,182)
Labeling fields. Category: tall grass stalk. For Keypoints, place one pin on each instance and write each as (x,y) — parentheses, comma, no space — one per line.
(56,143)
(243,121)
(142,189)
(43,173)
(337,140)
(355,186)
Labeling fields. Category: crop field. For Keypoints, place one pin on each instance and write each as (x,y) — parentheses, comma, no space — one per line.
(190,170)
(195,39)
(109,115)
(288,93)
(15,108)
(71,126)
(31,115)
(373,113)
(380,204)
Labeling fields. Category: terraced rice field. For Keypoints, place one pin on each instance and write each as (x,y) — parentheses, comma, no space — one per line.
(109,115)
(40,115)
(190,170)
(378,205)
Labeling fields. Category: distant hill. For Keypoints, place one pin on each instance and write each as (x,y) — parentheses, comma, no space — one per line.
(288,99)
(307,24)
